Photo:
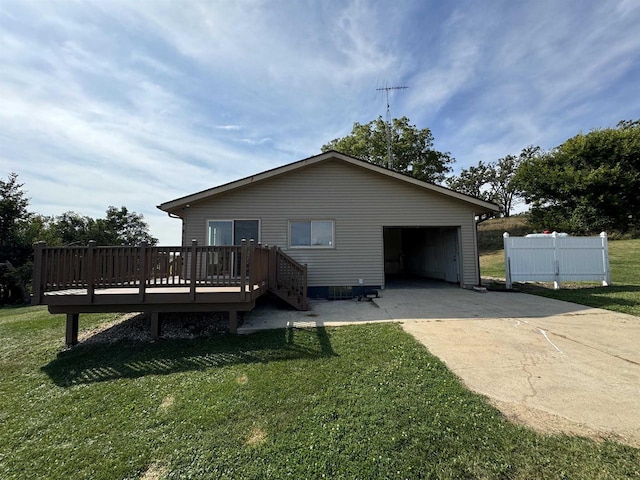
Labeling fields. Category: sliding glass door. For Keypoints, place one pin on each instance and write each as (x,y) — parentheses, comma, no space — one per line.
(225,233)
(221,232)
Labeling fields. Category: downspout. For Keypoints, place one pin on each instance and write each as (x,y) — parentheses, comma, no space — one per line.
(479,287)
(479,284)
(173,215)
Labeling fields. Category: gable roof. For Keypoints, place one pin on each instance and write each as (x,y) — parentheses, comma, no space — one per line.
(174,205)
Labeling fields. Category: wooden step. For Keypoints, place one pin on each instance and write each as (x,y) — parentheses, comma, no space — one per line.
(293,300)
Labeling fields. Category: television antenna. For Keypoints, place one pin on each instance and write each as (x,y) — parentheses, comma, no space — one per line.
(388,124)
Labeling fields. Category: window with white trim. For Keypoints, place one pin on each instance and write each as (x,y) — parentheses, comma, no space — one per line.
(311,234)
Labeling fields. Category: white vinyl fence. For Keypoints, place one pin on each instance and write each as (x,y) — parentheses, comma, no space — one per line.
(556,258)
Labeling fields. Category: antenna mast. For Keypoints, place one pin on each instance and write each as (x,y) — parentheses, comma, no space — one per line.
(388,124)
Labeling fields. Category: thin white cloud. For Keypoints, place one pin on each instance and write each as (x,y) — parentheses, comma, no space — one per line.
(228,127)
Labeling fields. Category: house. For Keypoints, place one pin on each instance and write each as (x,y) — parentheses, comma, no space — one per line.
(352,223)
(326,226)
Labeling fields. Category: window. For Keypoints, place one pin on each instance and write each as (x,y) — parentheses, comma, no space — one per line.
(231,232)
(312,233)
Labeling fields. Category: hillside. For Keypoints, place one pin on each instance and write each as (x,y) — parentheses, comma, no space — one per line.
(490,231)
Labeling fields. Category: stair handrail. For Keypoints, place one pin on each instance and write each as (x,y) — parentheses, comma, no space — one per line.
(296,284)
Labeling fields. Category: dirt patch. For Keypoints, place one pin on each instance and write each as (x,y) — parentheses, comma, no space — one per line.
(242,379)
(549,423)
(256,437)
(167,403)
(126,325)
(155,472)
(137,327)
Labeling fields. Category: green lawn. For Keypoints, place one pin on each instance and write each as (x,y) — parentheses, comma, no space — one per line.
(352,402)
(623,296)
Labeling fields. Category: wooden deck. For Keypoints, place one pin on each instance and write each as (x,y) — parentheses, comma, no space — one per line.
(75,280)
(164,299)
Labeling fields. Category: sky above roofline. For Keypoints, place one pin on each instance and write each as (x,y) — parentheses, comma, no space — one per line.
(137,103)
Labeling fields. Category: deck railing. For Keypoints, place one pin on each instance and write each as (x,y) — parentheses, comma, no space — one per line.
(288,278)
(144,267)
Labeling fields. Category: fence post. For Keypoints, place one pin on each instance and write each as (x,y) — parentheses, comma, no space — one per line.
(194,266)
(605,260)
(38,275)
(556,256)
(91,271)
(507,261)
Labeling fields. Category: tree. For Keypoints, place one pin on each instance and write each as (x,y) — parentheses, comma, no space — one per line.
(71,228)
(505,186)
(474,181)
(412,148)
(13,214)
(122,227)
(589,183)
(15,248)
(119,227)
(495,181)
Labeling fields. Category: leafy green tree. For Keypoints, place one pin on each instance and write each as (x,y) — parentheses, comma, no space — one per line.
(589,183)
(15,248)
(412,148)
(122,227)
(119,227)
(474,181)
(71,228)
(505,186)
(495,181)
(13,214)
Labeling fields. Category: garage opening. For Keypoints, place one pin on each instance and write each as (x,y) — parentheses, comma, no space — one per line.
(421,253)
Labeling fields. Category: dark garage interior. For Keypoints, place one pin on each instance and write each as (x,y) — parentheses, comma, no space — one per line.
(421,253)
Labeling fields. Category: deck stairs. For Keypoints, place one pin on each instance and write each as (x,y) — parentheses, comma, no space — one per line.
(287,279)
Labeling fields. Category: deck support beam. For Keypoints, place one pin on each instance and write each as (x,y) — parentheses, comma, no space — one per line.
(155,325)
(233,321)
(72,329)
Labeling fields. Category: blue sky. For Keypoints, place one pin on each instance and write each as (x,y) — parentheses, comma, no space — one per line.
(139,102)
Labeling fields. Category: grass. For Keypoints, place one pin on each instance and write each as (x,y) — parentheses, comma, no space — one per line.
(623,296)
(354,402)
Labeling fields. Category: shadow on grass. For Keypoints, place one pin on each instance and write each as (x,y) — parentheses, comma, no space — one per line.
(91,363)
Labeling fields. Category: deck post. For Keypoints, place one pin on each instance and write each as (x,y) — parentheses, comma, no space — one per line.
(155,325)
(91,275)
(194,266)
(243,268)
(273,251)
(72,329)
(142,252)
(38,269)
(233,322)
(253,265)
(304,288)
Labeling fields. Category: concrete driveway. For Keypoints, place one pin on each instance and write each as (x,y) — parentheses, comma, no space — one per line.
(555,366)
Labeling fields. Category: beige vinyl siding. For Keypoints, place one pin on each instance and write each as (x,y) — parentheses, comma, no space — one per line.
(360,202)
